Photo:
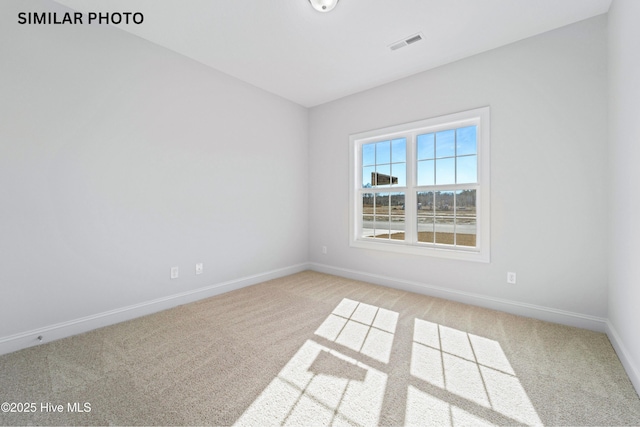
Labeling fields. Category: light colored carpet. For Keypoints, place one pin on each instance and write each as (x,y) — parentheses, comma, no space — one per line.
(315,349)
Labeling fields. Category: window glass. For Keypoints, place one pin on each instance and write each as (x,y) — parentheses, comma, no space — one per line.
(465,217)
(466,140)
(399,150)
(384,164)
(368,154)
(383,152)
(446,143)
(446,171)
(467,169)
(426,146)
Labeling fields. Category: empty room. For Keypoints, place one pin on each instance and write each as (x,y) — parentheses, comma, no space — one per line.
(319,212)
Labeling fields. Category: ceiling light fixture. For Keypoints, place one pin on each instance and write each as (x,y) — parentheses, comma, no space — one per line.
(323,5)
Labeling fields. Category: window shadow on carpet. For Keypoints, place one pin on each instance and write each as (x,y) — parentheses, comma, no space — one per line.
(342,375)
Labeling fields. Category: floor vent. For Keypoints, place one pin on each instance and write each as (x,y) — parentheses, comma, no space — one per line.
(406,42)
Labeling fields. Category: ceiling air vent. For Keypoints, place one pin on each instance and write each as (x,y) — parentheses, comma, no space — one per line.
(406,42)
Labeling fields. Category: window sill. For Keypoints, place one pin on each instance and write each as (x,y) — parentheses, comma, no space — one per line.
(429,251)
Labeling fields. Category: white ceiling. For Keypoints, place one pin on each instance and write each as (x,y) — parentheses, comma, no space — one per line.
(289,49)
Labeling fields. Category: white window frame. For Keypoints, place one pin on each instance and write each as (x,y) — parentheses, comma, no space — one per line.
(481,253)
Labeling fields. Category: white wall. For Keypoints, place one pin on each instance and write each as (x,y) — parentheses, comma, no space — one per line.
(548,98)
(624,152)
(120,159)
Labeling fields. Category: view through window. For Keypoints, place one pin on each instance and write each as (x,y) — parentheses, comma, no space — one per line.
(423,187)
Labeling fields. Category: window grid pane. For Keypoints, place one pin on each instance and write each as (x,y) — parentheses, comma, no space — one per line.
(446,143)
(383,216)
(368,212)
(384,164)
(426,146)
(447,217)
(397,217)
(447,157)
(466,141)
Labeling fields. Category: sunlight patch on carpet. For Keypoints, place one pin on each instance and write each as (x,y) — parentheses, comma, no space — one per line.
(468,366)
(361,327)
(424,409)
(455,378)
(319,386)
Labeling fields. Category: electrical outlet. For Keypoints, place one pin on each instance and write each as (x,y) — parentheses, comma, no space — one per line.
(199,268)
(324,250)
(511,278)
(174,272)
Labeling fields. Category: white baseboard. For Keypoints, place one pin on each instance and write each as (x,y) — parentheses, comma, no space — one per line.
(50,333)
(633,371)
(65,329)
(522,309)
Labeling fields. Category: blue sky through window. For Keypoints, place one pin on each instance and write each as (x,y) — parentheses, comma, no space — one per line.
(386,158)
(447,157)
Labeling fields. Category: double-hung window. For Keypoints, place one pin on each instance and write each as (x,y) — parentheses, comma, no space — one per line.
(423,187)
